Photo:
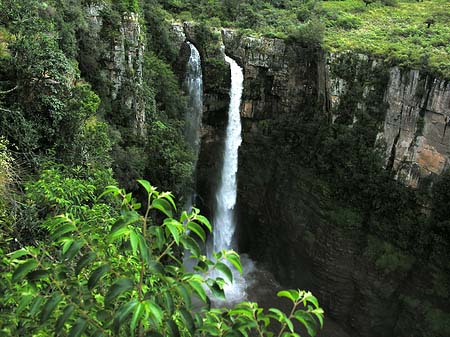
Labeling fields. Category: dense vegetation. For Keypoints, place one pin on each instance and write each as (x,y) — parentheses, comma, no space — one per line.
(67,132)
(405,32)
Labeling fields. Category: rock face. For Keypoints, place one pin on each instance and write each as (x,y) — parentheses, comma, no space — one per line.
(415,111)
(282,210)
(415,129)
(123,63)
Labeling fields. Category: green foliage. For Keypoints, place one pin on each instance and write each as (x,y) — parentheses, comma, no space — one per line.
(387,257)
(119,274)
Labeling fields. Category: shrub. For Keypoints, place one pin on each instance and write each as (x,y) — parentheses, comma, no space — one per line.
(120,274)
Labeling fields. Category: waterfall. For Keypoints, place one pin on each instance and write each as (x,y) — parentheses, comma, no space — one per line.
(193,117)
(194,87)
(224,221)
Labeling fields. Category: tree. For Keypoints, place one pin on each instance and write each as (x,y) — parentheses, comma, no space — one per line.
(108,271)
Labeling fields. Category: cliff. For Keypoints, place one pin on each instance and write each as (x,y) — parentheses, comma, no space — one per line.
(122,63)
(288,218)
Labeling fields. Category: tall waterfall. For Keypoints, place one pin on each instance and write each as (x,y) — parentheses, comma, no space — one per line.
(194,87)
(224,221)
(193,118)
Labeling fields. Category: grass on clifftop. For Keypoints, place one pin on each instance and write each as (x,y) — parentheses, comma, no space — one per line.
(409,33)
(399,33)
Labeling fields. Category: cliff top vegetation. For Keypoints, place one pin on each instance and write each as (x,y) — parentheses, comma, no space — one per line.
(408,33)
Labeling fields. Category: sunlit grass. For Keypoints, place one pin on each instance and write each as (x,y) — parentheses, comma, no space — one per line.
(397,33)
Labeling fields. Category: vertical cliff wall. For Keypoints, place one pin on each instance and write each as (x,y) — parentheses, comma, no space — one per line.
(121,64)
(288,218)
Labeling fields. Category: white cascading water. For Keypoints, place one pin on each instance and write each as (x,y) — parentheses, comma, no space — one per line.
(193,118)
(224,222)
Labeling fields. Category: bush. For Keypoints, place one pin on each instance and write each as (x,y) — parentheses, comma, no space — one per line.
(119,274)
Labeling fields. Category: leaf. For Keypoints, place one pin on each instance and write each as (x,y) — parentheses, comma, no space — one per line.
(163,206)
(143,249)
(73,250)
(234,259)
(168,302)
(160,238)
(24,301)
(225,270)
(134,240)
(49,306)
(198,288)
(23,269)
(204,221)
(78,328)
(138,311)
(309,297)
(197,229)
(291,294)
(60,231)
(174,227)
(36,305)
(38,275)
(64,316)
(184,293)
(191,245)
(148,187)
(97,274)
(173,329)
(217,290)
(118,288)
(122,313)
(155,311)
(114,190)
(85,260)
(187,319)
(307,320)
(18,253)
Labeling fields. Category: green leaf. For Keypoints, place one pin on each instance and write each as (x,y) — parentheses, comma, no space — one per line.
(60,231)
(168,302)
(36,305)
(217,290)
(309,297)
(85,260)
(64,317)
(155,311)
(198,288)
(204,221)
(148,187)
(160,238)
(187,319)
(307,320)
(291,294)
(163,205)
(24,301)
(143,249)
(118,288)
(23,269)
(114,190)
(197,229)
(134,240)
(78,328)
(122,313)
(234,259)
(174,227)
(73,250)
(191,245)
(225,270)
(18,253)
(49,306)
(173,329)
(97,274)
(38,274)
(184,293)
(137,314)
